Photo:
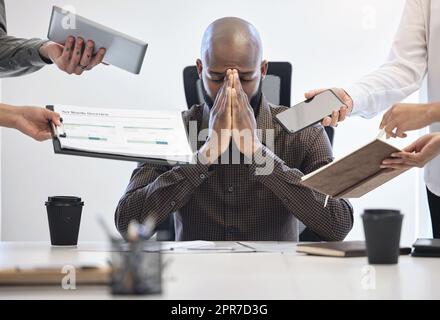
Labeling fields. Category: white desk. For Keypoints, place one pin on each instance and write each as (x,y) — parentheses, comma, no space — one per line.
(240,275)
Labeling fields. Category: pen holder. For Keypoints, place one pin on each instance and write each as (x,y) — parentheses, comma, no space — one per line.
(136,267)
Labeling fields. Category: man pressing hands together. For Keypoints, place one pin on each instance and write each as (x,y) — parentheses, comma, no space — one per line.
(259,197)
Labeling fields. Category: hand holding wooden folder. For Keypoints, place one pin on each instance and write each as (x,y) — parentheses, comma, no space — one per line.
(355,174)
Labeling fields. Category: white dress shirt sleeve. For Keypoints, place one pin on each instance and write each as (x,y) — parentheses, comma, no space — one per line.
(404,70)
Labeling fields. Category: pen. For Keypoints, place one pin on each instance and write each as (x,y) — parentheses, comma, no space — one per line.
(326,200)
(207,249)
(245,245)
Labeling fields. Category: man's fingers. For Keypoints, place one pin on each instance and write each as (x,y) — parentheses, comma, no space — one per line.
(229,102)
(218,97)
(237,83)
(234,95)
(225,99)
(234,101)
(229,78)
(97,59)
(244,105)
(219,105)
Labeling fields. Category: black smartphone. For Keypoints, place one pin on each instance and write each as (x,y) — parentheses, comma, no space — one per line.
(309,112)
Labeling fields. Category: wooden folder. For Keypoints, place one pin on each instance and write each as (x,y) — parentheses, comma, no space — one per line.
(355,174)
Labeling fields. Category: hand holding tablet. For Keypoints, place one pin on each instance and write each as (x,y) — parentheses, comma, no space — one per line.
(121,50)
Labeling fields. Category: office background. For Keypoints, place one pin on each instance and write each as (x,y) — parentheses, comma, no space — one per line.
(329,43)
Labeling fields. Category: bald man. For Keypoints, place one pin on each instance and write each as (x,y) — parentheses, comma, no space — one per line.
(246,182)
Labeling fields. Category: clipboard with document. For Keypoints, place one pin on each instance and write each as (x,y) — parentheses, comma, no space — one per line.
(156,137)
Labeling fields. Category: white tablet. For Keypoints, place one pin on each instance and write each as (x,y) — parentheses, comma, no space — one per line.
(122,50)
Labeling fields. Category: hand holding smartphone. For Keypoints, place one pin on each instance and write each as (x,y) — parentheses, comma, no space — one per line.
(309,112)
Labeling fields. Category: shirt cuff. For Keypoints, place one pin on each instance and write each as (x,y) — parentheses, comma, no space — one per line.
(35,58)
(358,97)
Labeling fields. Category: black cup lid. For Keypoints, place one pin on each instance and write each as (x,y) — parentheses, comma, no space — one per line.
(64,201)
(381,211)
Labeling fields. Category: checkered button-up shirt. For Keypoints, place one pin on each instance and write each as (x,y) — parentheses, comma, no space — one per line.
(250,201)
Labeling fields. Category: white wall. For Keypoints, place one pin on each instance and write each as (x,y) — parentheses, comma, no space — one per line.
(328,43)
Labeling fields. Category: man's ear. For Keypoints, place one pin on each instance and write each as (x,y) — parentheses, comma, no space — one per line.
(264,66)
(199,67)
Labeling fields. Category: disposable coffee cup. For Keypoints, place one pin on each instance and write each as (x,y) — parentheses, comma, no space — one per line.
(382,229)
(64,216)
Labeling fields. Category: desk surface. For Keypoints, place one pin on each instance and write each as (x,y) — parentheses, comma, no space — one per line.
(273,275)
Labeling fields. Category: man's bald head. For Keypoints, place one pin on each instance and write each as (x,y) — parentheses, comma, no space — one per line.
(234,37)
(231,43)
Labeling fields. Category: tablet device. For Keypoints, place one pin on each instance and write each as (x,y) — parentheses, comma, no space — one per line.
(122,50)
(309,112)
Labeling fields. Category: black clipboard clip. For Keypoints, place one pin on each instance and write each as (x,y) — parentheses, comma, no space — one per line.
(58,131)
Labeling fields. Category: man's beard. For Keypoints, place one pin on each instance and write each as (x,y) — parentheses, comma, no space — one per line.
(254,102)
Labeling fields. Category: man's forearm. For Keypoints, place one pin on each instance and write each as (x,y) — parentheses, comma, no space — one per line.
(332,222)
(157,194)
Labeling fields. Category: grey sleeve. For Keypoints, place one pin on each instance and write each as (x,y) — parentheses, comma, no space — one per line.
(18,56)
